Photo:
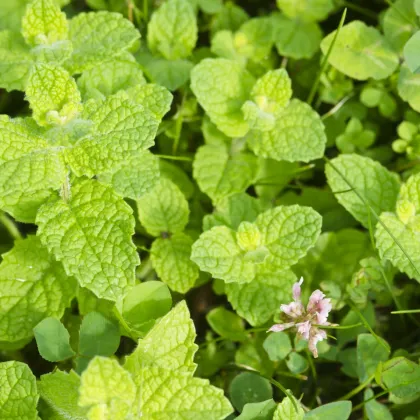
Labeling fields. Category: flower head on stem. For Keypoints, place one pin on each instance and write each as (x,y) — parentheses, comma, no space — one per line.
(306,321)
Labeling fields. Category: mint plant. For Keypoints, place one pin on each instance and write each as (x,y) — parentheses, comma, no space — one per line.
(169,170)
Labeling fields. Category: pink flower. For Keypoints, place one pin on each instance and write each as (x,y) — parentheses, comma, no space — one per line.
(306,321)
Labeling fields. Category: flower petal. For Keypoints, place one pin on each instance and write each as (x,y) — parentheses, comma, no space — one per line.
(317,335)
(281,327)
(314,300)
(324,309)
(293,309)
(304,329)
(297,290)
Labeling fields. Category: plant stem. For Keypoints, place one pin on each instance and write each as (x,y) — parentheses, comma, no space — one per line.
(356,390)
(284,62)
(361,405)
(10,225)
(187,159)
(360,9)
(325,60)
(146,10)
(366,324)
(337,106)
(142,248)
(178,129)
(311,364)
(339,327)
(130,10)
(406,311)
(214,340)
(292,375)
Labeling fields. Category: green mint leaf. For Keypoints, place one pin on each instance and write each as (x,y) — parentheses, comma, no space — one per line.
(295,38)
(288,232)
(30,169)
(273,176)
(178,177)
(90,233)
(15,60)
(253,41)
(298,135)
(401,376)
(374,409)
(287,410)
(98,336)
(260,299)
(170,74)
(278,346)
(106,386)
(135,177)
(230,17)
(88,302)
(157,99)
(249,388)
(164,209)
(411,54)
(335,410)
(370,352)
(19,396)
(110,77)
(44,23)
(227,324)
(172,30)
(404,227)
(378,186)
(145,303)
(307,10)
(361,52)
(34,286)
(210,6)
(53,95)
(97,37)
(217,252)
(272,92)
(221,87)
(171,259)
(408,87)
(12,12)
(252,353)
(174,394)
(284,235)
(169,345)
(256,117)
(220,173)
(56,53)
(258,411)
(212,135)
(248,236)
(223,45)
(232,211)
(60,393)
(397,29)
(53,340)
(119,130)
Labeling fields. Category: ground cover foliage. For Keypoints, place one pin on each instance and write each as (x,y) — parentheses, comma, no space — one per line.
(209,209)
